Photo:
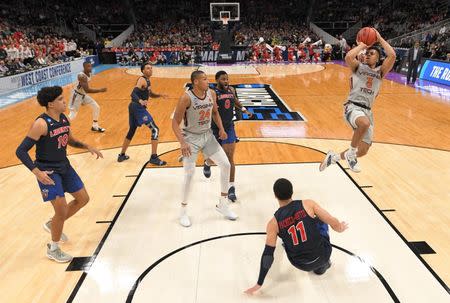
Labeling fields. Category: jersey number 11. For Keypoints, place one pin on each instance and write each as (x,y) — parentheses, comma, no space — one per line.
(293,232)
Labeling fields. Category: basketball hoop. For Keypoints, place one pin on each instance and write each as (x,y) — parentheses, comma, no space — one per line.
(225,20)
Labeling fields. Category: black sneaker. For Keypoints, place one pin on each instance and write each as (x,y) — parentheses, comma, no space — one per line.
(232,194)
(206,170)
(122,157)
(323,269)
(98,129)
(157,161)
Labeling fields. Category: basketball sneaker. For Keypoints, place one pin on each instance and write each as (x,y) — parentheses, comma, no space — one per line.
(352,161)
(222,208)
(206,170)
(327,161)
(232,194)
(155,160)
(184,219)
(122,157)
(98,129)
(58,255)
(48,227)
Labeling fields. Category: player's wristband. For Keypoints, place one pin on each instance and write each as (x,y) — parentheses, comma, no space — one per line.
(243,109)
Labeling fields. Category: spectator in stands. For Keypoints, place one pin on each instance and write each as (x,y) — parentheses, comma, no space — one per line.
(3,68)
(414,57)
(342,46)
(3,53)
(448,57)
(12,51)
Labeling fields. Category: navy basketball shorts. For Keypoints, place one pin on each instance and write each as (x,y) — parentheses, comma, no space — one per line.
(231,133)
(138,115)
(66,180)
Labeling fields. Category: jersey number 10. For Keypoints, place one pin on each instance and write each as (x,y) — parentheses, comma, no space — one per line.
(62,140)
(293,232)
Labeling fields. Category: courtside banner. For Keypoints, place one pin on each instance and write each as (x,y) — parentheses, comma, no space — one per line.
(14,82)
(436,71)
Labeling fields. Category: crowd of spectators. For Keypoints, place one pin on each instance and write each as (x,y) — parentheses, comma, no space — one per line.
(392,18)
(171,34)
(435,45)
(176,31)
(274,31)
(406,16)
(25,48)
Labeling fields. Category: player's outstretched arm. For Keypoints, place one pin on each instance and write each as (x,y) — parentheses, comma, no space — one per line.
(267,256)
(325,217)
(352,56)
(85,85)
(216,117)
(38,129)
(180,111)
(155,95)
(389,61)
(78,144)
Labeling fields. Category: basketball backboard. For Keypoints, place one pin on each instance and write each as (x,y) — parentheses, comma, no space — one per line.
(219,11)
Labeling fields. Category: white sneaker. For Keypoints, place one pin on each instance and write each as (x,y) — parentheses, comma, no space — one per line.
(222,208)
(48,228)
(58,255)
(352,161)
(327,161)
(184,219)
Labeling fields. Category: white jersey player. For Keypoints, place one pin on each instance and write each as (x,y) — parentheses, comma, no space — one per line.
(80,97)
(365,84)
(197,107)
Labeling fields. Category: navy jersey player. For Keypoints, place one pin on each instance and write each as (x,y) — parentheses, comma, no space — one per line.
(303,228)
(51,134)
(364,88)
(138,115)
(227,100)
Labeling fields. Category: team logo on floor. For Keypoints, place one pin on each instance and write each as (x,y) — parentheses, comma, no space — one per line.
(263,102)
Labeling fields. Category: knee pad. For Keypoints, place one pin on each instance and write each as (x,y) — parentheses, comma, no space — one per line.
(155,130)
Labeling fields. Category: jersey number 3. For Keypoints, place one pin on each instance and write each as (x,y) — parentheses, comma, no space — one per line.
(293,232)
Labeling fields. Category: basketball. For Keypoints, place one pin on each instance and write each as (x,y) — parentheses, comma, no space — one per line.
(367,35)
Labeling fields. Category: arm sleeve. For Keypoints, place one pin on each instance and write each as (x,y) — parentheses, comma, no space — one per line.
(22,152)
(266,263)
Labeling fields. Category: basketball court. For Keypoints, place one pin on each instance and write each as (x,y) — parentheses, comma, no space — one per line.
(128,244)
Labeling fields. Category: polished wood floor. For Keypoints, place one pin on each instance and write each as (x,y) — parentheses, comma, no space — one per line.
(402,115)
(408,166)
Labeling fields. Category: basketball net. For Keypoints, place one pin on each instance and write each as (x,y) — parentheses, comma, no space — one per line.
(224,20)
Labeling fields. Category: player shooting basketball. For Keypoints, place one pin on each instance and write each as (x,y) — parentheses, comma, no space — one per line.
(365,84)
